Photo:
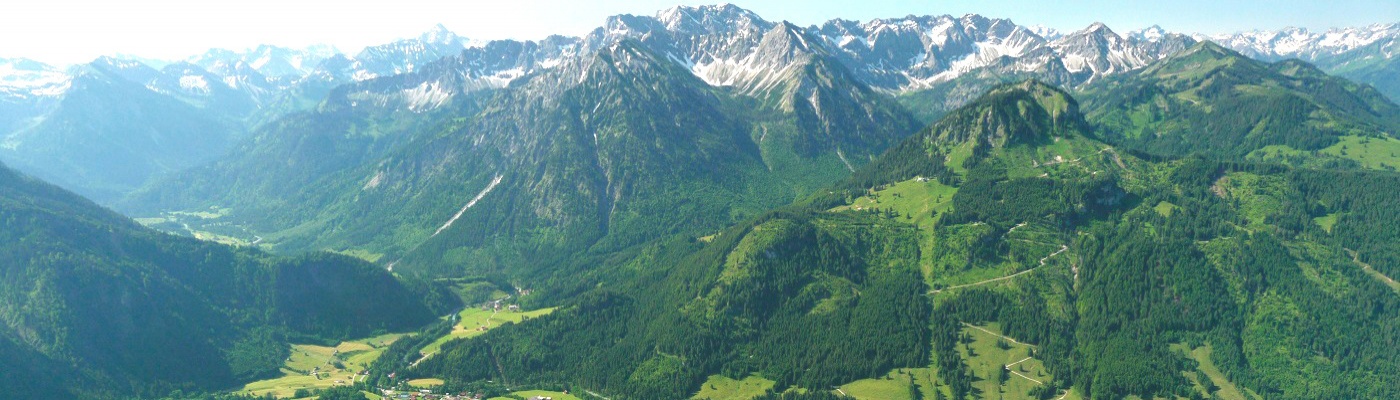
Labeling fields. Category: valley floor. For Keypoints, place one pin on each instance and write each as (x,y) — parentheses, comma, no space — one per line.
(313,367)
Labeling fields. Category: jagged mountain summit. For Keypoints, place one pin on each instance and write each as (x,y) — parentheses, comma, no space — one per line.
(728,46)
(1306,45)
(406,55)
(919,52)
(895,54)
(715,41)
(892,54)
(899,54)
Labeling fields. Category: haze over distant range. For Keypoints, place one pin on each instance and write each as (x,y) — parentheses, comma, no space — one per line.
(76,31)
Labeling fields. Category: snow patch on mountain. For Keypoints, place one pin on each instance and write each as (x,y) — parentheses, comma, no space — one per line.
(1152,33)
(24,78)
(503,78)
(362,75)
(426,96)
(194,83)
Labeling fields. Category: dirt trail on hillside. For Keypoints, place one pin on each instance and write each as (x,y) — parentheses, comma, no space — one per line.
(1042,264)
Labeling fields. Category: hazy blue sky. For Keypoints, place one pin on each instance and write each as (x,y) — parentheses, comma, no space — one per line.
(68,31)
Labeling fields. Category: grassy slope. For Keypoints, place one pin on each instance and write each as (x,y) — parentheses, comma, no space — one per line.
(474,321)
(1226,389)
(917,202)
(1369,152)
(987,359)
(1327,221)
(1067,158)
(1374,153)
(895,385)
(1165,208)
(920,204)
(722,387)
(354,355)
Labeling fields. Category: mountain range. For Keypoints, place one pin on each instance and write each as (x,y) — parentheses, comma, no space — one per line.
(894,54)
(937,61)
(703,203)
(566,142)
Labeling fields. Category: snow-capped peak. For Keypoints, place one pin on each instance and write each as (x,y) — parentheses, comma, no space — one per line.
(726,11)
(1044,31)
(1096,51)
(1152,33)
(440,34)
(710,19)
(1099,28)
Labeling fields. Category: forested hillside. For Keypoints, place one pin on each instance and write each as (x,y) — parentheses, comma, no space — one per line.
(96,306)
(805,300)
(1122,274)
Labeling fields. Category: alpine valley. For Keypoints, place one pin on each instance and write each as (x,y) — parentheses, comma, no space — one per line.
(706,204)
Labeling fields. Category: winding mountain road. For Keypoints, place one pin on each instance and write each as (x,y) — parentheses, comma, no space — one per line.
(1042,264)
(984,330)
(1008,368)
